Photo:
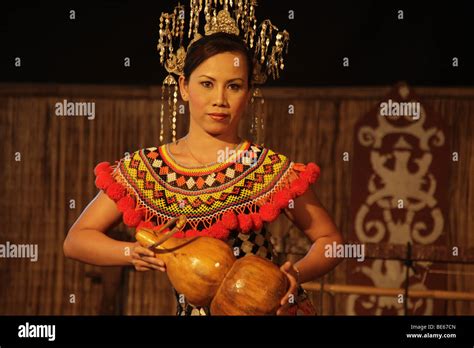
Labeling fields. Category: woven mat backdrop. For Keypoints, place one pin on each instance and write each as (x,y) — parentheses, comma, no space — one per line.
(45,192)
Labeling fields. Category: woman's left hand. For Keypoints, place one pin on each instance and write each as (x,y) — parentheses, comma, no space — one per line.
(290,297)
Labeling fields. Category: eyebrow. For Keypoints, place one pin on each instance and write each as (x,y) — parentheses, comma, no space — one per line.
(213,79)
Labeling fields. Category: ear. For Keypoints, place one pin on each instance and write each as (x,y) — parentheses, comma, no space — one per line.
(183,88)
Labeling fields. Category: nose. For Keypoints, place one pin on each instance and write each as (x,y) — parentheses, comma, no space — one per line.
(220,97)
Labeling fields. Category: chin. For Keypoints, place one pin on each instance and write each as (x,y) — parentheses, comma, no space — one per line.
(216,129)
(215,132)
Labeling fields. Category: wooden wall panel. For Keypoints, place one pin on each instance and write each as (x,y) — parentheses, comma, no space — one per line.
(58,155)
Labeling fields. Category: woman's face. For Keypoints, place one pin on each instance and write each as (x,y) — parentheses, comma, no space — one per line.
(217,92)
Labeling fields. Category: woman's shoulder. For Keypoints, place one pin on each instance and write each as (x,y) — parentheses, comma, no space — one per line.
(269,155)
(150,154)
(265,148)
(308,170)
(275,153)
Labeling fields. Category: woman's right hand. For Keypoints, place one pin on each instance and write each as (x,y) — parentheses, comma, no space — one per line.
(144,259)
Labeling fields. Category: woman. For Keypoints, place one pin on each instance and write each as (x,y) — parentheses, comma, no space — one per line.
(228,187)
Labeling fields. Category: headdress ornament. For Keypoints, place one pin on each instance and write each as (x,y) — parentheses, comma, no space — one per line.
(265,41)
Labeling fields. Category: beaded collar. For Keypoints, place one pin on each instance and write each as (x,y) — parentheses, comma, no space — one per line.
(251,187)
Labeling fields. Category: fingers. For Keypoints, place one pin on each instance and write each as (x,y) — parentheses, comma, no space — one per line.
(143,251)
(290,295)
(286,267)
(144,265)
(289,299)
(155,263)
(140,265)
(143,259)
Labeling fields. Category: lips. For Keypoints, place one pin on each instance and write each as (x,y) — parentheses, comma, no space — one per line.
(221,114)
(218,116)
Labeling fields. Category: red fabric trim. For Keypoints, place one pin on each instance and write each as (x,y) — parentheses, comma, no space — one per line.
(245,222)
(134,216)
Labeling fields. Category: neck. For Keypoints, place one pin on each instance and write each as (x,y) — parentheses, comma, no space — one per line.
(202,143)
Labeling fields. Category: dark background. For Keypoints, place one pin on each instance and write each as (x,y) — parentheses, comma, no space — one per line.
(381,48)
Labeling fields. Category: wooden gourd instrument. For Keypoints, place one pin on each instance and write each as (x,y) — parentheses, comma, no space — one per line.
(206,271)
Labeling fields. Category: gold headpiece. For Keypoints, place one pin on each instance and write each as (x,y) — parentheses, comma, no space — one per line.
(229,16)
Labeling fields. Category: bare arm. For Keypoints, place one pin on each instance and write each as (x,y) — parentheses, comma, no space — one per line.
(87,241)
(310,217)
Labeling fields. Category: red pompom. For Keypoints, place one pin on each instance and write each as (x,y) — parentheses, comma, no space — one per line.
(218,231)
(245,222)
(229,220)
(299,186)
(116,191)
(192,233)
(132,217)
(145,224)
(102,167)
(257,221)
(125,203)
(282,198)
(103,181)
(311,174)
(179,234)
(269,212)
(221,234)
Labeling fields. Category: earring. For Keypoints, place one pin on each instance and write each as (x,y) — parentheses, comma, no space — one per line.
(169,83)
(257,128)
(162,114)
(171,27)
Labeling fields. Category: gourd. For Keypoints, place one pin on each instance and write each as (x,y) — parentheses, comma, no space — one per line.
(206,271)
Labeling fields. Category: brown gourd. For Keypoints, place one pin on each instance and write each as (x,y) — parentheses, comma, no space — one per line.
(206,271)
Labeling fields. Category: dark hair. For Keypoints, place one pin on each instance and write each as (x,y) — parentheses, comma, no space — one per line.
(210,45)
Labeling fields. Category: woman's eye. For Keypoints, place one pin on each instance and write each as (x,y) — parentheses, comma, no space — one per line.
(234,86)
(206,84)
